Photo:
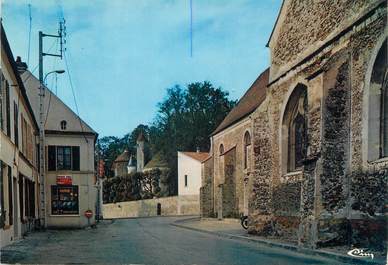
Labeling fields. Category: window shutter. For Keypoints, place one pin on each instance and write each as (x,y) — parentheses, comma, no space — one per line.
(51,158)
(8,109)
(76,158)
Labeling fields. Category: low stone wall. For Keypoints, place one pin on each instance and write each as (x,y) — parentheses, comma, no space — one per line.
(177,205)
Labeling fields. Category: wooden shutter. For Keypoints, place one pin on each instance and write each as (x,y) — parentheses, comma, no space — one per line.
(51,158)
(76,158)
(10,196)
(8,109)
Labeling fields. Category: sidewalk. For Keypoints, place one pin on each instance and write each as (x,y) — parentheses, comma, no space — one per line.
(231,228)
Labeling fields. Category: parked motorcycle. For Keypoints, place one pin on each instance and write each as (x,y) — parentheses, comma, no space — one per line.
(244,221)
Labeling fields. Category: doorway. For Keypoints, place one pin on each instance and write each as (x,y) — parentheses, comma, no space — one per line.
(158,209)
(15,210)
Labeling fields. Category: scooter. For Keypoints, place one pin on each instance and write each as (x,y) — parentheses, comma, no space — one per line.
(244,221)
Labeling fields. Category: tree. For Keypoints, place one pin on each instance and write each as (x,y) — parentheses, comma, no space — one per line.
(185,120)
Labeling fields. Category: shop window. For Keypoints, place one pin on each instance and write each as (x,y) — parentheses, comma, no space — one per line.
(294,130)
(247,149)
(63,125)
(63,158)
(378,107)
(64,200)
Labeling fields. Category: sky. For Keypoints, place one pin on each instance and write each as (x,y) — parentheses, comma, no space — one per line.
(122,54)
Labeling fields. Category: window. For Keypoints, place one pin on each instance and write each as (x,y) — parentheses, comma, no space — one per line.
(221,149)
(7,109)
(63,158)
(21,197)
(2,100)
(64,200)
(63,125)
(185,180)
(247,149)
(378,107)
(4,106)
(16,123)
(294,130)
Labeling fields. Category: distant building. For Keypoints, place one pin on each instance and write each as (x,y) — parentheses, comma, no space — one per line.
(189,172)
(70,177)
(157,162)
(140,152)
(120,164)
(227,172)
(19,177)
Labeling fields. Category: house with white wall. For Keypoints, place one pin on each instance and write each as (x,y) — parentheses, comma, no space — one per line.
(19,178)
(189,172)
(70,178)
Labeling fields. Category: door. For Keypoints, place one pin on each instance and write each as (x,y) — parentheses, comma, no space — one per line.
(158,209)
(16,209)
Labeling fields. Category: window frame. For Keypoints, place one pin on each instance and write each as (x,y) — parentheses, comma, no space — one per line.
(74,189)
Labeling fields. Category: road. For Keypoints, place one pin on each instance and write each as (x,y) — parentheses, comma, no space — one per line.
(145,241)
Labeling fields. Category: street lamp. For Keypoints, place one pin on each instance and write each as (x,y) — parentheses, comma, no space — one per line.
(52,72)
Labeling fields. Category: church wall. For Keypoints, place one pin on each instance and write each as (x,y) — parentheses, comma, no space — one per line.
(231,137)
(338,197)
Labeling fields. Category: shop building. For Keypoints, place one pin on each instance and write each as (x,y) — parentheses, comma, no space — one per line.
(70,177)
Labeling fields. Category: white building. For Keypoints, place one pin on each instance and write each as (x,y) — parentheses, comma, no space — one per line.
(70,177)
(189,172)
(19,178)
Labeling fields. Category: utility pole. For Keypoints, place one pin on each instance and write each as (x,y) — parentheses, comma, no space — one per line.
(60,36)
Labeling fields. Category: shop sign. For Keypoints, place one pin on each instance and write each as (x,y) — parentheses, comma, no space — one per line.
(88,214)
(64,180)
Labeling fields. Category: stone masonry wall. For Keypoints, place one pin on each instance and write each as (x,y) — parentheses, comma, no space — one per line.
(207,199)
(229,203)
(231,137)
(316,21)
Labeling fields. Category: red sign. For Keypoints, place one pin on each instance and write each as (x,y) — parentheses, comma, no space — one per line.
(64,180)
(88,214)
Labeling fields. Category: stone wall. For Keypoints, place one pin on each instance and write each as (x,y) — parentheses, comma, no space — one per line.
(232,137)
(229,204)
(316,22)
(206,191)
(338,197)
(170,206)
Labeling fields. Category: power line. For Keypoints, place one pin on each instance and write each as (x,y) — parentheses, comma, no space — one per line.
(29,35)
(72,91)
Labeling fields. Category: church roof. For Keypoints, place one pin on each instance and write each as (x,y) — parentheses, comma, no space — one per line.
(157,161)
(123,157)
(200,156)
(248,103)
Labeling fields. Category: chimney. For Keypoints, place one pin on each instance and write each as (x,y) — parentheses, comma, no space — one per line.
(21,66)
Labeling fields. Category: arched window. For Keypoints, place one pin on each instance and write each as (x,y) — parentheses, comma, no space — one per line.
(63,125)
(294,130)
(247,149)
(378,107)
(221,149)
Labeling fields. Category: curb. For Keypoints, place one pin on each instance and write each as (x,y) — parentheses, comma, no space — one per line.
(322,253)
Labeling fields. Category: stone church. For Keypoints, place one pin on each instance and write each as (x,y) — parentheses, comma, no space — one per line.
(320,136)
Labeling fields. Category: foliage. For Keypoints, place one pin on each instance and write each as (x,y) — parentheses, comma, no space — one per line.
(185,120)
(136,186)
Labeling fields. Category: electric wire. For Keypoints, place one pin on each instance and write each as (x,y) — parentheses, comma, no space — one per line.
(72,91)
(29,34)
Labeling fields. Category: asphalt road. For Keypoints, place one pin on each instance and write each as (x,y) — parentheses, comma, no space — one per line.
(145,241)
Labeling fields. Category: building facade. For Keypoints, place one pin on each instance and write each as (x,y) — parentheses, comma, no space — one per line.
(227,173)
(320,137)
(19,178)
(189,172)
(70,177)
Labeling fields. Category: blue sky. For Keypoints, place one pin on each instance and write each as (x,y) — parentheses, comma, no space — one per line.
(123,54)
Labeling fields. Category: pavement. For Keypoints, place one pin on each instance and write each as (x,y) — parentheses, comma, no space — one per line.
(156,240)
(232,229)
